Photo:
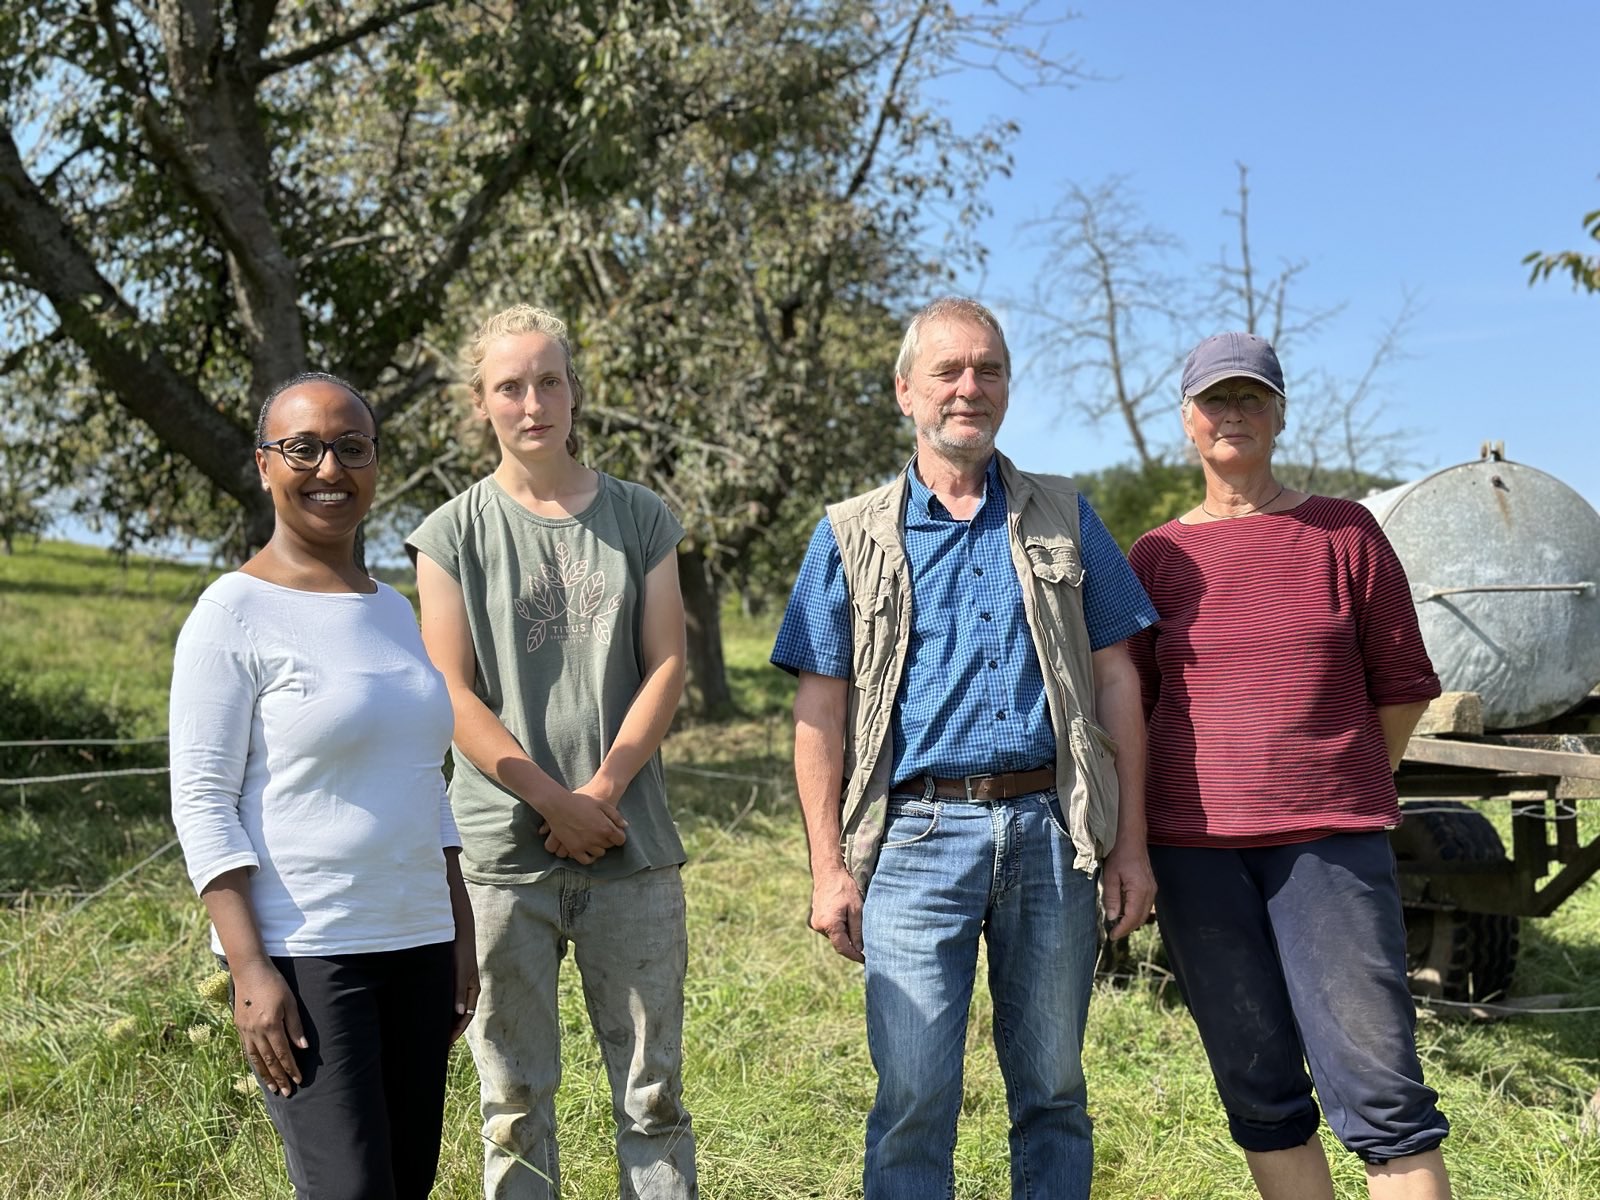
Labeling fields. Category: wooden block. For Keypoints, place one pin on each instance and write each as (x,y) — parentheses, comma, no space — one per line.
(1453,712)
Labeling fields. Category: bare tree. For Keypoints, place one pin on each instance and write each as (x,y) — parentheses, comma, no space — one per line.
(1116,320)
(1339,440)
(1107,309)
(1245,299)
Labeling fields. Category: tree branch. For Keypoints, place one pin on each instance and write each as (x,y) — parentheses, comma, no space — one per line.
(338,41)
(123,351)
(633,421)
(411,311)
(16,358)
(434,467)
(887,110)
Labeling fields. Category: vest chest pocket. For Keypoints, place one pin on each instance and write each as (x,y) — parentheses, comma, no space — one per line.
(1054,560)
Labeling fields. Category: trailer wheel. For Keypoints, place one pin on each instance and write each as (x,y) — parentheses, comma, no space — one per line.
(1450,954)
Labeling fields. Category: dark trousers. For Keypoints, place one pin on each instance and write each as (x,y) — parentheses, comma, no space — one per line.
(1295,956)
(365,1122)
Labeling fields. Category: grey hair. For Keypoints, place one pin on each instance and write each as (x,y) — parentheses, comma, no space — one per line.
(947,308)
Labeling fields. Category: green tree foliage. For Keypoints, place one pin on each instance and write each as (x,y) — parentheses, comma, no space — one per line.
(737,315)
(1132,497)
(24,510)
(199,199)
(731,200)
(1584,269)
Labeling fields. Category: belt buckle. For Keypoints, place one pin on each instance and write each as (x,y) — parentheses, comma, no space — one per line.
(966,783)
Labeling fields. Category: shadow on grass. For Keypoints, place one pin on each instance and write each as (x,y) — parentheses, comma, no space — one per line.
(1542,1060)
(715,795)
(64,552)
(45,587)
(78,837)
(1561,966)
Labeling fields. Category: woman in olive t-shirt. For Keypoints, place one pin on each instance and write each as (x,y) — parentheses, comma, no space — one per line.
(550,603)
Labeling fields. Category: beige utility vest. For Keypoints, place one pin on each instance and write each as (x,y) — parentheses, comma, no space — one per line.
(1042,517)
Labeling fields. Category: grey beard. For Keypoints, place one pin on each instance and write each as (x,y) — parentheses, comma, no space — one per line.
(958,450)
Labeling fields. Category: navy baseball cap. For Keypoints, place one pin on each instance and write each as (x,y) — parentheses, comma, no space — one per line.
(1230,355)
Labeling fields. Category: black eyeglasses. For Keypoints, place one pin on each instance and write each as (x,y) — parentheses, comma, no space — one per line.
(305,453)
(1216,403)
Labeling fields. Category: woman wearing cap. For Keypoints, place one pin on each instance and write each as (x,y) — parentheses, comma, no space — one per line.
(1281,686)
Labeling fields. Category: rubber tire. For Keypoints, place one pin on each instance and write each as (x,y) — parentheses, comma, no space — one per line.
(1451,954)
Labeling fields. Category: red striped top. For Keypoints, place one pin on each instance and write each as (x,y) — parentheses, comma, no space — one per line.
(1280,636)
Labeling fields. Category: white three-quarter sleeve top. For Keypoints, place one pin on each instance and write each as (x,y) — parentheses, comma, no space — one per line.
(307,735)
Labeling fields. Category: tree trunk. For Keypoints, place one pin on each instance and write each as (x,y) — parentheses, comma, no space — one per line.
(258,523)
(706,687)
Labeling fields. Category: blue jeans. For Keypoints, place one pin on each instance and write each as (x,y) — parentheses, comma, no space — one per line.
(949,872)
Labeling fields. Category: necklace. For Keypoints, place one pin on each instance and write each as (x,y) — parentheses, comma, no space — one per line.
(1247,512)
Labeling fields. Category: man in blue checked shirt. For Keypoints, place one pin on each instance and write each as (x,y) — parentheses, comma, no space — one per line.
(969,739)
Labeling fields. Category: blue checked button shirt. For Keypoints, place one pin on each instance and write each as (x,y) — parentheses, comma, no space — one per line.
(972,697)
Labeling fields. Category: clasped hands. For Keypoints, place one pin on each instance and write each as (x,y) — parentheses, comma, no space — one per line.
(581,824)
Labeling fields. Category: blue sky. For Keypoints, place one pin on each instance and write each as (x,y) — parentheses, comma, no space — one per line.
(1391,146)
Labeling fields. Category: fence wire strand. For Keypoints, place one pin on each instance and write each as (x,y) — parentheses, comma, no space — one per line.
(1564,810)
(145,741)
(79,776)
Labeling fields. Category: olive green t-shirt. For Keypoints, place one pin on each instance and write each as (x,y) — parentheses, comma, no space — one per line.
(555,608)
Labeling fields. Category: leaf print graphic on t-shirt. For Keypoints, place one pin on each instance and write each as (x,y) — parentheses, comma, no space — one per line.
(564,600)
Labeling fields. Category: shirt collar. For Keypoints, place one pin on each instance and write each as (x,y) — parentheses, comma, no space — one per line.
(925,505)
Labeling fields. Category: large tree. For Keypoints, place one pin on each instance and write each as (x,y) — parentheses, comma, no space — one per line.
(730,199)
(739,322)
(198,199)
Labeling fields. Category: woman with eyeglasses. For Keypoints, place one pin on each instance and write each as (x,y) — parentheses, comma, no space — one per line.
(308,729)
(1281,685)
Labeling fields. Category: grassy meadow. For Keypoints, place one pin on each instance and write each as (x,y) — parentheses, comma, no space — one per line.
(119,1079)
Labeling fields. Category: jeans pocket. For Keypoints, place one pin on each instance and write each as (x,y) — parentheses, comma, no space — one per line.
(1050,801)
(909,821)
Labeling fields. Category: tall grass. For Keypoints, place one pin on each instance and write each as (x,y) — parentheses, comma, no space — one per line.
(120,1080)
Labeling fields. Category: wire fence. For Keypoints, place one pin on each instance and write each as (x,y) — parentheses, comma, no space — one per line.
(1562,810)
(80,776)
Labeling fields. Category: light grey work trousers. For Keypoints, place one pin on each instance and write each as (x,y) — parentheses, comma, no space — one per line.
(631,949)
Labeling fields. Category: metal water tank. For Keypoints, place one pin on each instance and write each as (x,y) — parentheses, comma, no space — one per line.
(1504,563)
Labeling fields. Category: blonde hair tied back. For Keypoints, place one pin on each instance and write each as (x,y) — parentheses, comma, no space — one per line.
(512,322)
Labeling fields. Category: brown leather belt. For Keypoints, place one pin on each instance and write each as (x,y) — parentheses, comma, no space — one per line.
(980,789)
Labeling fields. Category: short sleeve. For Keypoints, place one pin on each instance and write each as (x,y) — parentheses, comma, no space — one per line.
(1393,655)
(815,633)
(210,714)
(1115,606)
(439,537)
(660,531)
